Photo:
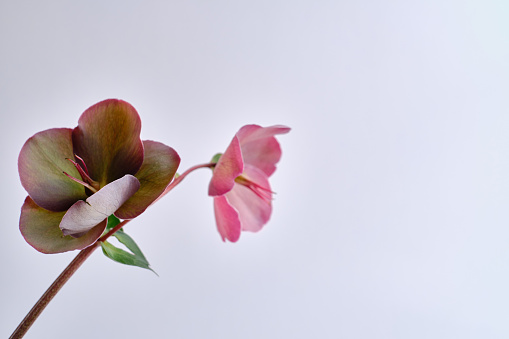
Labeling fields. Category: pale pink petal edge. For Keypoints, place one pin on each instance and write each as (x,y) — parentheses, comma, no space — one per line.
(227,219)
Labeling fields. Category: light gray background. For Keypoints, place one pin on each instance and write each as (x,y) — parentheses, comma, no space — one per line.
(391,215)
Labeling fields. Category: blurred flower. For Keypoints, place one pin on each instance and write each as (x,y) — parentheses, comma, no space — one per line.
(240,185)
(76,178)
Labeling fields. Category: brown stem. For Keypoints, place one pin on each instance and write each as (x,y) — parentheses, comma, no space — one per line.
(67,273)
(112,231)
(52,291)
(59,283)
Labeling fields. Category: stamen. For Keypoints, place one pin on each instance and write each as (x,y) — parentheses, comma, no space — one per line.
(264,195)
(262,192)
(79,168)
(86,181)
(82,163)
(81,182)
(84,174)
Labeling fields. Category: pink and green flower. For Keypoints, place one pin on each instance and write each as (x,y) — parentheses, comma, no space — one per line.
(76,178)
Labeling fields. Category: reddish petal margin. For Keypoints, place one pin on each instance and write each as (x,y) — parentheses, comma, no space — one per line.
(40,229)
(84,215)
(227,219)
(254,211)
(41,164)
(159,167)
(229,166)
(108,140)
(259,146)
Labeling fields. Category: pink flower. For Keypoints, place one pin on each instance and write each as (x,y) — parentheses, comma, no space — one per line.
(240,181)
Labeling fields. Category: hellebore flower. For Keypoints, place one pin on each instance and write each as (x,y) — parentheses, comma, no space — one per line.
(76,178)
(240,180)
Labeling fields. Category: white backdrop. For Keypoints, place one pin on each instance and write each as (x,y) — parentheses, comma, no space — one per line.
(391,215)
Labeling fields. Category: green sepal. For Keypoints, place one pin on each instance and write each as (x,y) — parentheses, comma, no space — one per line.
(215,158)
(135,258)
(112,222)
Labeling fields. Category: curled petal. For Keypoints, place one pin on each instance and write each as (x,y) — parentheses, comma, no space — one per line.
(108,140)
(259,146)
(41,164)
(254,209)
(40,229)
(229,166)
(159,167)
(227,219)
(84,215)
(250,133)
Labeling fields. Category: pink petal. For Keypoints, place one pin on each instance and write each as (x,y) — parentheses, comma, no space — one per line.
(249,133)
(40,229)
(108,140)
(41,164)
(84,215)
(227,219)
(259,146)
(159,166)
(229,166)
(254,212)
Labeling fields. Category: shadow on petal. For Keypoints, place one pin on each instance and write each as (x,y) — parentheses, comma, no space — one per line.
(159,167)
(41,230)
(84,215)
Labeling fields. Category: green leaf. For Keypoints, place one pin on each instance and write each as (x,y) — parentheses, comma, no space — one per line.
(112,222)
(129,243)
(136,258)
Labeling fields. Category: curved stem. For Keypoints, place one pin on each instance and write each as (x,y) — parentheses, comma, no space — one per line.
(59,283)
(181,177)
(112,231)
(67,273)
(52,291)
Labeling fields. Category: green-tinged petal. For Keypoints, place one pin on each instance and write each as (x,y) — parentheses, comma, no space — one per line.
(159,167)
(40,228)
(84,215)
(41,164)
(108,140)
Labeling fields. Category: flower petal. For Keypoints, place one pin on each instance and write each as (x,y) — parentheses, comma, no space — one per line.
(227,219)
(254,212)
(84,215)
(249,133)
(41,164)
(229,166)
(259,146)
(108,140)
(158,169)
(40,229)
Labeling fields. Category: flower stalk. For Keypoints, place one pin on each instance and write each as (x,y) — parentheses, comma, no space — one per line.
(68,272)
(59,282)
(82,181)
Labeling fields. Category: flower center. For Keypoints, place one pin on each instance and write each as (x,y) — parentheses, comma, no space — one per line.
(263,192)
(86,180)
